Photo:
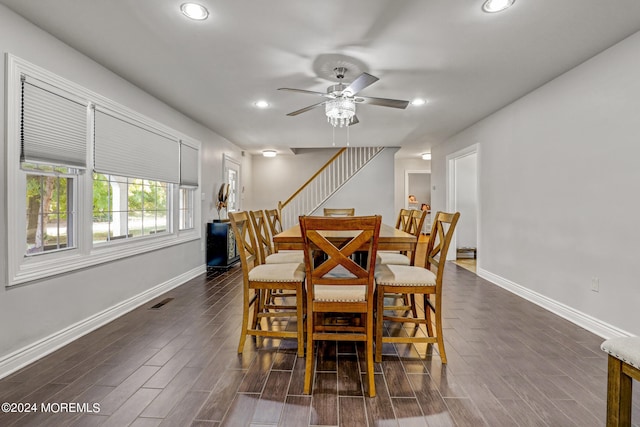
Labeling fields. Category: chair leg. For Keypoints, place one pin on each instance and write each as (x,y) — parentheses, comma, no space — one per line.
(300,318)
(619,387)
(427,315)
(245,321)
(308,370)
(414,311)
(369,354)
(379,323)
(439,337)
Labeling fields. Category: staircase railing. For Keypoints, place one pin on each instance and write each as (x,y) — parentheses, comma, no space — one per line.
(325,182)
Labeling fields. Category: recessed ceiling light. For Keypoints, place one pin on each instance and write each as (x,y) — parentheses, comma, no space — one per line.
(261,104)
(426,156)
(418,101)
(194,11)
(269,153)
(492,6)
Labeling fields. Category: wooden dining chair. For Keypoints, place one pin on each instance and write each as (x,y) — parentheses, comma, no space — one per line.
(411,280)
(413,226)
(274,221)
(259,282)
(339,211)
(265,244)
(336,284)
(403,219)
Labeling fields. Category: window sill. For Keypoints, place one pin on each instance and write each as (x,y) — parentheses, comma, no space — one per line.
(36,268)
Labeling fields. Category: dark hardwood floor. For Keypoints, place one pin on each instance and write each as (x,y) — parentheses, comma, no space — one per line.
(511,363)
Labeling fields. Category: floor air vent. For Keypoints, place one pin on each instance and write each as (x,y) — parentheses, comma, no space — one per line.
(161,304)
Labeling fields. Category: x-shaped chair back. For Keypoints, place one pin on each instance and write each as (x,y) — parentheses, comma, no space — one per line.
(263,239)
(403,219)
(273,218)
(442,230)
(245,237)
(339,252)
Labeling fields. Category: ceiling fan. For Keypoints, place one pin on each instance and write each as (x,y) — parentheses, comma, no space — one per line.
(340,105)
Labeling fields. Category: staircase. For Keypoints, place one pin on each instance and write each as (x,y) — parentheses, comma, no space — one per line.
(329,179)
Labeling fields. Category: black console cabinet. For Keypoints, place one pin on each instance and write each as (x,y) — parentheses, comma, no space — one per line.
(221,245)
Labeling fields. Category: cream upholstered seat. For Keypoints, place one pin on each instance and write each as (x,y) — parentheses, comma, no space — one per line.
(336,285)
(259,283)
(412,281)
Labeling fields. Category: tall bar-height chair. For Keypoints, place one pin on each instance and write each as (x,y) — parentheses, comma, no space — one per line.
(265,244)
(411,280)
(413,226)
(259,281)
(339,211)
(274,221)
(337,284)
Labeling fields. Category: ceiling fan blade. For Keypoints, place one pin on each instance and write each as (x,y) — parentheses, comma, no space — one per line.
(310,92)
(305,109)
(363,80)
(354,121)
(384,102)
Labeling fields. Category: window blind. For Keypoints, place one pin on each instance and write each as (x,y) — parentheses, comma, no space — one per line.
(125,148)
(53,126)
(188,166)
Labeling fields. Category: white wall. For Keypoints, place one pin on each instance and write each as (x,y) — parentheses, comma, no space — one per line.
(38,310)
(559,179)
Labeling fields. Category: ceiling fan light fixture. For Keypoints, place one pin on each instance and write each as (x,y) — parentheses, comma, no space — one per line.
(194,11)
(340,111)
(493,6)
(269,153)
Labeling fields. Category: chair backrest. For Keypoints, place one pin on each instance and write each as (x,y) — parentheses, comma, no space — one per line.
(403,219)
(273,218)
(338,267)
(339,211)
(263,239)
(416,220)
(245,240)
(442,230)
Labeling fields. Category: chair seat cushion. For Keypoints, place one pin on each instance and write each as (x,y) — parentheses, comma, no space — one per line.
(285,257)
(626,349)
(404,275)
(392,258)
(290,272)
(340,293)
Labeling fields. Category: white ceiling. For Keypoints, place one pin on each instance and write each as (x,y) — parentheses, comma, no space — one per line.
(466,63)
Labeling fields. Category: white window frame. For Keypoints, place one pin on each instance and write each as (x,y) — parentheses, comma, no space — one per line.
(23,269)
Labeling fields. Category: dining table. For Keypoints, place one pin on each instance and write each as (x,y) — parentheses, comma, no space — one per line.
(390,239)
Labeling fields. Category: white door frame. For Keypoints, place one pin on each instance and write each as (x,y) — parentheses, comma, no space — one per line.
(451,193)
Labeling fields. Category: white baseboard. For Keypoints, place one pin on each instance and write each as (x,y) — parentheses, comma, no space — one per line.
(581,319)
(32,352)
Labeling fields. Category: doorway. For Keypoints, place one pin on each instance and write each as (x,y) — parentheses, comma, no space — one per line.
(462,196)
(417,183)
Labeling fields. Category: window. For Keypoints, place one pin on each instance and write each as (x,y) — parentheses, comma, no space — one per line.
(50,208)
(125,208)
(84,172)
(185,209)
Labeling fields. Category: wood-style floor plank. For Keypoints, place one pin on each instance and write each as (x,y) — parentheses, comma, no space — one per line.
(511,363)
